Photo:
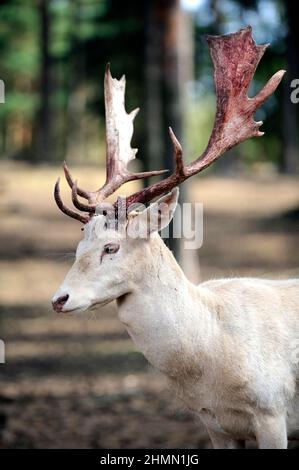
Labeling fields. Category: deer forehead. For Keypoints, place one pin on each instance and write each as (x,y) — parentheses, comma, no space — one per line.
(95,234)
(98,229)
(95,228)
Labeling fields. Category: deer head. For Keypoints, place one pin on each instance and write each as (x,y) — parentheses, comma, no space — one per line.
(116,238)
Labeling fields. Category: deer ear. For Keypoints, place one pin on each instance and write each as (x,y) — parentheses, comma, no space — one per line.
(156,217)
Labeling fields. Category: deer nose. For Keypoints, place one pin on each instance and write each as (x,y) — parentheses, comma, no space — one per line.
(59,303)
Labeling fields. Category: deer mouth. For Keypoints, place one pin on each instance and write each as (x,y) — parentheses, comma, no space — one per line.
(82,307)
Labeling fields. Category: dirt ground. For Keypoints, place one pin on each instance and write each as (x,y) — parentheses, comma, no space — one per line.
(79,382)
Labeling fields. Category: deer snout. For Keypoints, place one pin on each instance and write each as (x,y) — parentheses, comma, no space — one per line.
(59,303)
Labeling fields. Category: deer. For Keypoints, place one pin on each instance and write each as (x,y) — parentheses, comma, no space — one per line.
(226,346)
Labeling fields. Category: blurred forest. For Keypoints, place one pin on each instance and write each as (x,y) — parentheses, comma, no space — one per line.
(52,59)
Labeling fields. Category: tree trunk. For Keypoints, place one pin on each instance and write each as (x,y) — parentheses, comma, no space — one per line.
(43,129)
(165,71)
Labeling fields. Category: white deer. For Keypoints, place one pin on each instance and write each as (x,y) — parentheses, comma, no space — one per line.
(227,346)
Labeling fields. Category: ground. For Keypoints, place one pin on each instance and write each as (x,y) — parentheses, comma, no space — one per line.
(79,381)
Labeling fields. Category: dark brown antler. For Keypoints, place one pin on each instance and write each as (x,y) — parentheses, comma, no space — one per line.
(119,132)
(235,58)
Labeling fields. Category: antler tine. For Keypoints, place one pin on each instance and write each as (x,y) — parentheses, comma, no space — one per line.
(119,132)
(80,205)
(84,218)
(178,153)
(81,192)
(235,58)
(153,191)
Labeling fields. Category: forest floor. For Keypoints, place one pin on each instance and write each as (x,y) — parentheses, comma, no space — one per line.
(79,382)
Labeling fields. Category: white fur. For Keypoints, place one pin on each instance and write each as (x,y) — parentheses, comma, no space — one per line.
(227,346)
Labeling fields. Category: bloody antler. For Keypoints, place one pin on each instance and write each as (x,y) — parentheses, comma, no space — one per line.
(235,58)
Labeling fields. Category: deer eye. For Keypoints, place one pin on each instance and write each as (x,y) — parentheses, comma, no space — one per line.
(111,248)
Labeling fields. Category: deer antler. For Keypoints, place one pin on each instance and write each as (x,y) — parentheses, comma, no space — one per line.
(235,58)
(119,132)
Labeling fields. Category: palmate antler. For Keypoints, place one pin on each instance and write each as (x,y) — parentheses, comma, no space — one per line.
(235,58)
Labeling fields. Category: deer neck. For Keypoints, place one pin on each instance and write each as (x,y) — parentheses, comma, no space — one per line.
(168,318)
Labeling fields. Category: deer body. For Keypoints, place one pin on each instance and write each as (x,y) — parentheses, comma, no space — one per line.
(228,347)
(225,345)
